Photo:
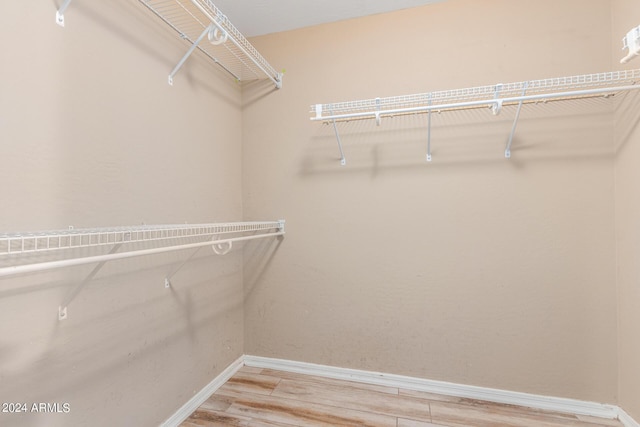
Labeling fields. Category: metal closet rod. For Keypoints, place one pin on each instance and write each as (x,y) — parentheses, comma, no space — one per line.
(42,266)
(377,114)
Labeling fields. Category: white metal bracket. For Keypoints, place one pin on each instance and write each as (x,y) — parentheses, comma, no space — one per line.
(343,160)
(632,42)
(507,150)
(281,225)
(221,248)
(279,80)
(211,29)
(62,310)
(60,13)
(429,131)
(497,106)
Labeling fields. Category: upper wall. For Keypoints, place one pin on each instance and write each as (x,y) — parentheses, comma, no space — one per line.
(626,15)
(92,135)
(472,268)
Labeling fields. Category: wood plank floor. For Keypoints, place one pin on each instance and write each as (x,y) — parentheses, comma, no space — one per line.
(264,397)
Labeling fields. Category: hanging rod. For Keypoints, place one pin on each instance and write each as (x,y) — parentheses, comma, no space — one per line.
(226,46)
(16,244)
(494,96)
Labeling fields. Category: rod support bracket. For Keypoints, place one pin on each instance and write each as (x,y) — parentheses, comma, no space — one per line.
(221,248)
(496,107)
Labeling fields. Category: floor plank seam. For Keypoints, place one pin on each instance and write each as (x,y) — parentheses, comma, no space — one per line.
(273,398)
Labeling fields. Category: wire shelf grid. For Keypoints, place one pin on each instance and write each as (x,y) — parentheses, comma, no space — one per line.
(189,18)
(31,242)
(571,83)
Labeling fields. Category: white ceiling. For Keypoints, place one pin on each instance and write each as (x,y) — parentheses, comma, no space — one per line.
(259,17)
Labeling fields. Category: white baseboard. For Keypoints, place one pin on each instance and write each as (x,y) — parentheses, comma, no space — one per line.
(557,404)
(626,419)
(199,398)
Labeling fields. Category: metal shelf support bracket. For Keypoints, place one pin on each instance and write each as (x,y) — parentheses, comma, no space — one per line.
(343,160)
(507,150)
(62,310)
(60,13)
(429,131)
(210,30)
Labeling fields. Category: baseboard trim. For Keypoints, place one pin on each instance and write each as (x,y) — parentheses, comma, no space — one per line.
(626,419)
(199,398)
(557,404)
(570,406)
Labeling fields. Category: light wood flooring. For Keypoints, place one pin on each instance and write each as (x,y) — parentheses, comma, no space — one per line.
(264,397)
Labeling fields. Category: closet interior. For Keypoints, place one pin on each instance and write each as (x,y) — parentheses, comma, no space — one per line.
(474,233)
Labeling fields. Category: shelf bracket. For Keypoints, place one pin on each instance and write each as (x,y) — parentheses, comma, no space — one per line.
(631,42)
(497,106)
(343,161)
(60,13)
(210,30)
(168,277)
(62,309)
(507,150)
(429,131)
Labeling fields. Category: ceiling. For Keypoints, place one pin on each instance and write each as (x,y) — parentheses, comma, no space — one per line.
(259,17)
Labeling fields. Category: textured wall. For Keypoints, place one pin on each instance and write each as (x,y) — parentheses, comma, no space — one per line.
(471,269)
(92,135)
(626,15)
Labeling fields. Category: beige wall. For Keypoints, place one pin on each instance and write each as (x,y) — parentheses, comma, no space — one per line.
(471,269)
(92,135)
(626,15)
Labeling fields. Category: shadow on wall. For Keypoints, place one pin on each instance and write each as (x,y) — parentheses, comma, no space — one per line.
(545,131)
(159,42)
(256,90)
(119,322)
(257,259)
(627,118)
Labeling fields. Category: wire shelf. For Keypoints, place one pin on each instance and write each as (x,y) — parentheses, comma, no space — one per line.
(220,237)
(190,18)
(495,97)
(497,91)
(31,242)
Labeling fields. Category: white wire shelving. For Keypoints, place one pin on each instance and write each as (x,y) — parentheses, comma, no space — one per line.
(17,249)
(195,20)
(494,96)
